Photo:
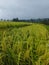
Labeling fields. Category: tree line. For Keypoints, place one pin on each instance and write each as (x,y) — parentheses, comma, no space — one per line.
(42,21)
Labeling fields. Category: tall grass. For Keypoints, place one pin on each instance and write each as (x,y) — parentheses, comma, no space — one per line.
(24,46)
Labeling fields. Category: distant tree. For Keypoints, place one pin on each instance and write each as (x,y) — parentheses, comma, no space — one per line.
(4,20)
(45,21)
(1,19)
(31,20)
(15,19)
(7,19)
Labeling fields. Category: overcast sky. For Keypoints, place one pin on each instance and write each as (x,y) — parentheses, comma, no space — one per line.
(24,9)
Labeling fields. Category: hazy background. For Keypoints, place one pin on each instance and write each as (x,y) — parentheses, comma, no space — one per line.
(24,9)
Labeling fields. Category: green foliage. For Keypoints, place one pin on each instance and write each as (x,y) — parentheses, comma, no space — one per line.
(47,26)
(24,46)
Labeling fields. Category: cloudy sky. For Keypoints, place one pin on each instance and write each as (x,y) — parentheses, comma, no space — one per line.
(24,9)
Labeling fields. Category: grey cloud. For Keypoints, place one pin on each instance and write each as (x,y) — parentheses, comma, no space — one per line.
(24,9)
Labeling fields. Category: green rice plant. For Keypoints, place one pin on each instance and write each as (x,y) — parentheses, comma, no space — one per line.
(27,45)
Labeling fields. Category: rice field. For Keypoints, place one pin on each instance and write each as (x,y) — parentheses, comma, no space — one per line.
(24,43)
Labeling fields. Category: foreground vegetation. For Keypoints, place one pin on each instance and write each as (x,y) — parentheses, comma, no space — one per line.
(24,44)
